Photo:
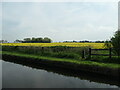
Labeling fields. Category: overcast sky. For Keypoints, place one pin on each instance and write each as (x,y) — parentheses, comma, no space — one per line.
(59,21)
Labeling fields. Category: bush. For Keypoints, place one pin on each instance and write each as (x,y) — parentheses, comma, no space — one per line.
(115,41)
(108,44)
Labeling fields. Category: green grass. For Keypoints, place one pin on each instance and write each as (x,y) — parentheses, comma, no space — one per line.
(81,62)
(64,52)
(55,51)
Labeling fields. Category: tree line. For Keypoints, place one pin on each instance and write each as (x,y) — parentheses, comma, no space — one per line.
(84,41)
(35,40)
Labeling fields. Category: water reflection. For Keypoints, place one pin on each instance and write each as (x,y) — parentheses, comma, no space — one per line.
(18,76)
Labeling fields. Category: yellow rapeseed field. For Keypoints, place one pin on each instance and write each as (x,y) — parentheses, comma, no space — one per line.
(92,45)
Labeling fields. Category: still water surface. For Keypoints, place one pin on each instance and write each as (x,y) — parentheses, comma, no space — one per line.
(19,76)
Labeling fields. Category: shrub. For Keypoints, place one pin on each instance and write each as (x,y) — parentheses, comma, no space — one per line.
(115,41)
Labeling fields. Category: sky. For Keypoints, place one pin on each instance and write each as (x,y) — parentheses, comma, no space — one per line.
(59,21)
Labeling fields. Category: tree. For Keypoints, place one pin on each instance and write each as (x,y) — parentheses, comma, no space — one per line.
(39,40)
(33,39)
(18,41)
(3,41)
(27,39)
(108,44)
(47,40)
(115,41)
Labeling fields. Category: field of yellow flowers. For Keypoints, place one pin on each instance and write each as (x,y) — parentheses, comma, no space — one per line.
(92,45)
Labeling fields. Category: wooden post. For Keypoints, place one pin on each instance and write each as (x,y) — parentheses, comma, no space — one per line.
(83,54)
(110,50)
(42,49)
(89,53)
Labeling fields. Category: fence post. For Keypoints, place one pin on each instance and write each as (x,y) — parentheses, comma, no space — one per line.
(110,50)
(89,53)
(83,54)
(42,50)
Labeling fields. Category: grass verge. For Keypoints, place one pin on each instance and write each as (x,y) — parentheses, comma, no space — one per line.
(78,62)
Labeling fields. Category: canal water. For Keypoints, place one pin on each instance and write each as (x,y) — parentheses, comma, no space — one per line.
(19,76)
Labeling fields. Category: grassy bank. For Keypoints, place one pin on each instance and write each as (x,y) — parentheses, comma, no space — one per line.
(106,69)
(84,62)
(55,51)
(63,52)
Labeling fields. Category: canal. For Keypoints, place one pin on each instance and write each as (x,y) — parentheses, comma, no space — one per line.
(21,76)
